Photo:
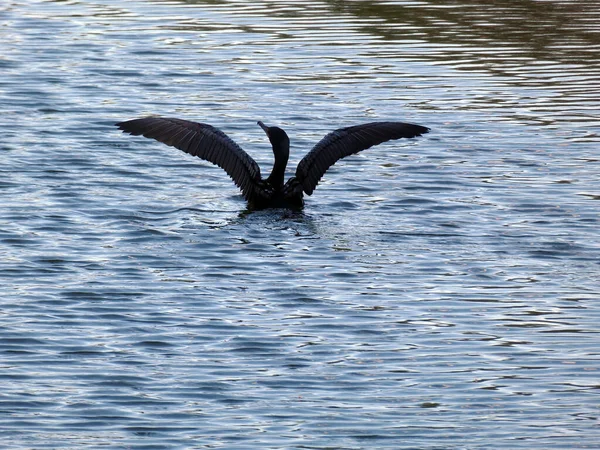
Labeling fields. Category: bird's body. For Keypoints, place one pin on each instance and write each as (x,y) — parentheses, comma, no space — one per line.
(211,144)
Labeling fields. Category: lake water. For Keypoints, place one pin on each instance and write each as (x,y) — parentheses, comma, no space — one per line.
(435,293)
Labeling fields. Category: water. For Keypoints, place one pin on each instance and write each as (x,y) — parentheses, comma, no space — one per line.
(440,292)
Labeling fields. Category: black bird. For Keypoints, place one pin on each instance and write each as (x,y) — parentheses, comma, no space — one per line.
(211,144)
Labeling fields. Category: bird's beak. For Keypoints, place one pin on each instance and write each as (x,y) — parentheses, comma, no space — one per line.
(263,126)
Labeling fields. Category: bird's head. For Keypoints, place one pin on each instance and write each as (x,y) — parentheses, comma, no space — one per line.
(279,138)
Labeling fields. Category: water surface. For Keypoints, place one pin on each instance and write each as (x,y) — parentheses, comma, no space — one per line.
(440,292)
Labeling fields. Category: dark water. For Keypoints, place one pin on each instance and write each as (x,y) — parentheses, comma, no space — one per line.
(435,293)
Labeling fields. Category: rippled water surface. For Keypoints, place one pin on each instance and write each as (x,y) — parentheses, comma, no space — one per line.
(439,292)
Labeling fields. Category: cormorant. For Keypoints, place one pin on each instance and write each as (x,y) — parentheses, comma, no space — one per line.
(211,144)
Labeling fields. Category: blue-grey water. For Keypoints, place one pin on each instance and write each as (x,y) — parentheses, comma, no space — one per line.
(435,293)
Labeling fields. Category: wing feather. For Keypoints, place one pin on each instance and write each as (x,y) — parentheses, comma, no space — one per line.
(204,141)
(345,142)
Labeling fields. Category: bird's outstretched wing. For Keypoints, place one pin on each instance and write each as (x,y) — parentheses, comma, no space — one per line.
(346,141)
(203,141)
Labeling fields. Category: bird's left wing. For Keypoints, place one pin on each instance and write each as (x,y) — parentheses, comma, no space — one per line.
(206,142)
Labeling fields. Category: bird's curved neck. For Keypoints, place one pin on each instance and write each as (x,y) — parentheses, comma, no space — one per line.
(282,154)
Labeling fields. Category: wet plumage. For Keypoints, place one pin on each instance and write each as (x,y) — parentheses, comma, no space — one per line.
(211,144)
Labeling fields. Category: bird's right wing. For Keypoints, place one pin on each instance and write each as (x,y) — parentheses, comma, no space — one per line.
(203,141)
(345,142)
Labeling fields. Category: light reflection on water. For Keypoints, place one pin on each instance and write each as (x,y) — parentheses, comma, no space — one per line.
(434,293)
